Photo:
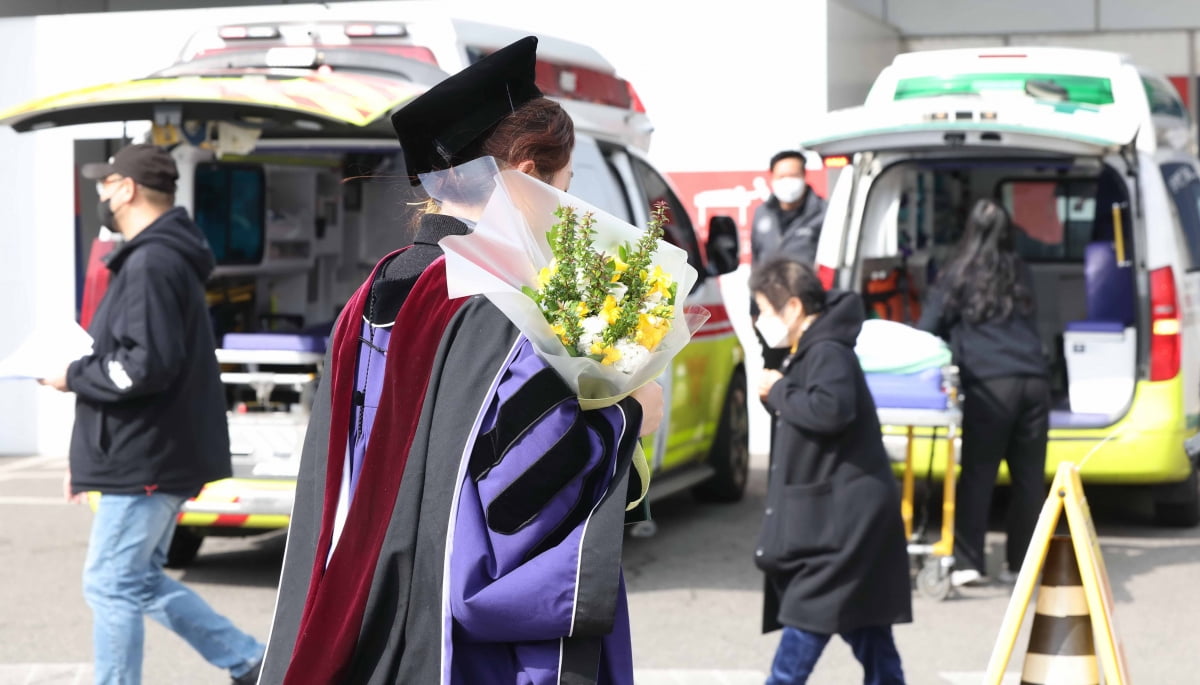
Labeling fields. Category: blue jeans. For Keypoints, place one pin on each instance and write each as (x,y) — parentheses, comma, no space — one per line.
(123,580)
(873,647)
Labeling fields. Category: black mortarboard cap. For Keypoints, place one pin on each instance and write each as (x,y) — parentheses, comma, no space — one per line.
(443,126)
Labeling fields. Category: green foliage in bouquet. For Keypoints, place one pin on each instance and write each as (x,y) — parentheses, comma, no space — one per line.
(613,308)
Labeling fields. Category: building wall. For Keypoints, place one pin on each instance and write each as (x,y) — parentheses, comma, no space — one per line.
(860,46)
(18,403)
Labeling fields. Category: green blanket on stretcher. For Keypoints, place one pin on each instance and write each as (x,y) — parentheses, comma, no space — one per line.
(895,348)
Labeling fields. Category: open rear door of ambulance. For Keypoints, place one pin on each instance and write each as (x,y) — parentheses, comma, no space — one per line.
(941,124)
(270,102)
(947,126)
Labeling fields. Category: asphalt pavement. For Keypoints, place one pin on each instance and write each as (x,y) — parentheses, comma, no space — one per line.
(694,595)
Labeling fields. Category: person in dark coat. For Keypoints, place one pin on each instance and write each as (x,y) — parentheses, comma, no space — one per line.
(150,426)
(832,541)
(459,514)
(787,224)
(983,305)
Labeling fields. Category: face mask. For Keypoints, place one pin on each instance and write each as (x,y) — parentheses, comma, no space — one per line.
(773,330)
(788,189)
(104,212)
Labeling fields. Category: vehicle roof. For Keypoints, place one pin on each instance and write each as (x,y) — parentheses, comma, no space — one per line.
(998,59)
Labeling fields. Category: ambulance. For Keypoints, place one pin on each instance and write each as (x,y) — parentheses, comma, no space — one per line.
(289,164)
(1095,159)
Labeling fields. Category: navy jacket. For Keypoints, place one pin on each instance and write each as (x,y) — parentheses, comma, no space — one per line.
(150,409)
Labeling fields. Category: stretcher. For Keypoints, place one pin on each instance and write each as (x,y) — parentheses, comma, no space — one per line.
(266,435)
(928,399)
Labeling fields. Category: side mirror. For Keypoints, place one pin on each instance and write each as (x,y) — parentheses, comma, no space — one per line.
(722,246)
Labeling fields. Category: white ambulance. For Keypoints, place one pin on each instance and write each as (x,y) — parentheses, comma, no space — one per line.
(289,163)
(1095,159)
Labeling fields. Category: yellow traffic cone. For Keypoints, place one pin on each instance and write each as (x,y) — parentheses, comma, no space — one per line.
(1061,648)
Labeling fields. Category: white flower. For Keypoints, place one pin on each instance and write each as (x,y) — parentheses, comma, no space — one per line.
(633,356)
(618,291)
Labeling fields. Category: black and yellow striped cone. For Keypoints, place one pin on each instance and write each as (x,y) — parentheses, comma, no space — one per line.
(1061,647)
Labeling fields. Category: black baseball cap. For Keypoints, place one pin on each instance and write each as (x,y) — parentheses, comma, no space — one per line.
(148,165)
(445,124)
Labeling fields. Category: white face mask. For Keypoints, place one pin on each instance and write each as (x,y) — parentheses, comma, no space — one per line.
(773,330)
(788,189)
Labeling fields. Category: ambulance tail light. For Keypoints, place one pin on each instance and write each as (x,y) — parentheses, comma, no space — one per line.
(836,162)
(635,102)
(827,275)
(1164,325)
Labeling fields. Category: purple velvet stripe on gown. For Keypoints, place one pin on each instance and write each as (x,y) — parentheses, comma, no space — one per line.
(368,380)
(509,611)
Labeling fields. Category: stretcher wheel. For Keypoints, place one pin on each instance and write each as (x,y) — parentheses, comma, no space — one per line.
(933,581)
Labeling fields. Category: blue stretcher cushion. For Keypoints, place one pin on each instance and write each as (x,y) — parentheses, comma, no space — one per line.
(1095,327)
(290,342)
(921,390)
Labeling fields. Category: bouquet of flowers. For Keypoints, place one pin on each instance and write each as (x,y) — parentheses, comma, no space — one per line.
(610,307)
(595,295)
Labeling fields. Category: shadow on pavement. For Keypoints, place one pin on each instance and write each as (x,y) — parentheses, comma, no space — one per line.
(250,561)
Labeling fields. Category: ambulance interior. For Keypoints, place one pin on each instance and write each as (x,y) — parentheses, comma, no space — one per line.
(1064,212)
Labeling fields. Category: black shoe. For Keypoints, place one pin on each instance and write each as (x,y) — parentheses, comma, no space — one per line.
(251,676)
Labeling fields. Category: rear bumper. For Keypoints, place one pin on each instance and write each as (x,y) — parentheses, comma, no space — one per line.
(1145,447)
(250,503)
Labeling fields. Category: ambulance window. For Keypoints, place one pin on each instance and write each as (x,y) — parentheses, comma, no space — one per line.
(1163,98)
(1055,219)
(596,182)
(1184,185)
(678,229)
(229,205)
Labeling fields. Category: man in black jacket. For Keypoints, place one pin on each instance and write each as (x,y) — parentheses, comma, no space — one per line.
(150,426)
(788,225)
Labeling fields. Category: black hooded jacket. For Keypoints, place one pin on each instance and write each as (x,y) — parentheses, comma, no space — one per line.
(150,409)
(832,542)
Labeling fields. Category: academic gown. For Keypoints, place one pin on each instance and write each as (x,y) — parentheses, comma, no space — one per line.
(460,523)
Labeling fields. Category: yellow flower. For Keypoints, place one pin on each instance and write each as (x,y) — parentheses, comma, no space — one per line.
(610,352)
(660,282)
(546,274)
(619,268)
(561,332)
(610,311)
(582,309)
(650,331)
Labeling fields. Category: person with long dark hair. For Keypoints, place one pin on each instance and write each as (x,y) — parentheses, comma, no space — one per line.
(983,306)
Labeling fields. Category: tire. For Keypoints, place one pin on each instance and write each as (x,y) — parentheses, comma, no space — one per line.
(185,545)
(1178,505)
(730,455)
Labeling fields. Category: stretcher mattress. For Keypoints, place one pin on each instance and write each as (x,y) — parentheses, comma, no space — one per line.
(920,390)
(289,342)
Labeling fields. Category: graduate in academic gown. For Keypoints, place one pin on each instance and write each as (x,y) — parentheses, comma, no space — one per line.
(458,517)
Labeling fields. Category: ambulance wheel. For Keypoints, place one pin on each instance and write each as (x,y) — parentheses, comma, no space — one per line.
(185,545)
(933,581)
(730,455)
(1178,505)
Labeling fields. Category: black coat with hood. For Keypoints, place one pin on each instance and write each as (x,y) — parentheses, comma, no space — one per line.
(150,408)
(832,540)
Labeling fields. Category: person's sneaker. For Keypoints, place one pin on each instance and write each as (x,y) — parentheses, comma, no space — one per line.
(251,676)
(1006,577)
(967,577)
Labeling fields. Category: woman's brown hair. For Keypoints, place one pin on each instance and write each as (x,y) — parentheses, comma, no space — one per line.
(539,130)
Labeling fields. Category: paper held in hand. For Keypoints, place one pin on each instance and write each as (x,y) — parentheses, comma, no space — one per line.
(509,248)
(46,351)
